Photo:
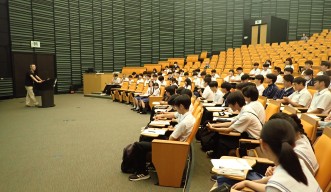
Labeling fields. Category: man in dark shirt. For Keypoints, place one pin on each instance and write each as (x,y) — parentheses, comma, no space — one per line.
(271,90)
(287,90)
(30,78)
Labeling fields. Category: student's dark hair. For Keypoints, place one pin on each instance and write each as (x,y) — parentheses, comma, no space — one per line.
(239,68)
(272,76)
(170,89)
(208,75)
(227,86)
(250,92)
(278,69)
(288,78)
(289,69)
(259,77)
(326,64)
(279,134)
(213,84)
(148,75)
(155,84)
(154,75)
(266,65)
(213,71)
(244,77)
(140,74)
(194,74)
(240,86)
(256,64)
(231,70)
(179,90)
(184,100)
(133,73)
(187,92)
(299,80)
(197,70)
(308,72)
(309,62)
(169,73)
(161,78)
(186,74)
(172,98)
(188,81)
(207,80)
(323,78)
(115,75)
(236,97)
(289,60)
(130,76)
(159,73)
(203,73)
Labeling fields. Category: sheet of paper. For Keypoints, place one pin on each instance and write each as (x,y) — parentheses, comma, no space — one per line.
(161,110)
(208,104)
(160,123)
(235,163)
(156,103)
(154,131)
(215,108)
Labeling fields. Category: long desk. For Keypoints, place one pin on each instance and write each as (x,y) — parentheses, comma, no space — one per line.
(95,82)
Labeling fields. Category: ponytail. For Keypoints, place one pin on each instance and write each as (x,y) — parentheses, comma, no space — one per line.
(294,169)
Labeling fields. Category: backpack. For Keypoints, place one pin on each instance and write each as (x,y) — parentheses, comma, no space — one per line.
(208,138)
(128,159)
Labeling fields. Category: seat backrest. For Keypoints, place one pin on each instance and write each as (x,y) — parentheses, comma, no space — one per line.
(140,87)
(132,86)
(195,127)
(289,110)
(272,108)
(125,85)
(162,91)
(263,100)
(322,150)
(310,126)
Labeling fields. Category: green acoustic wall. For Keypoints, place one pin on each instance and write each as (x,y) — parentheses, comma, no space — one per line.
(111,34)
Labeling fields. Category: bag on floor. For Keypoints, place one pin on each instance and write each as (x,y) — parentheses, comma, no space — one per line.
(208,138)
(128,159)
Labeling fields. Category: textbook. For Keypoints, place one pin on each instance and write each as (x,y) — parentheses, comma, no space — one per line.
(231,166)
(158,123)
(154,131)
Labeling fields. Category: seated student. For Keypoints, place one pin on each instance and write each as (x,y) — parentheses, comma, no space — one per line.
(326,122)
(218,95)
(230,78)
(160,81)
(247,123)
(308,65)
(308,74)
(265,70)
(169,91)
(277,72)
(301,97)
(186,76)
(182,131)
(196,81)
(154,78)
(251,95)
(214,75)
(134,75)
(245,78)
(287,90)
(207,92)
(141,80)
(289,63)
(116,81)
(288,71)
(240,86)
(321,102)
(202,82)
(225,88)
(259,83)
(271,90)
(170,76)
(188,84)
(136,99)
(155,91)
(325,66)
(291,174)
(239,74)
(255,71)
(174,82)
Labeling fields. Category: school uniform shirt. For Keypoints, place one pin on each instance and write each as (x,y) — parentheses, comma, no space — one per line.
(321,100)
(238,77)
(305,152)
(279,79)
(248,122)
(255,72)
(285,92)
(270,91)
(163,83)
(146,82)
(213,78)
(156,92)
(202,83)
(302,97)
(229,78)
(320,73)
(258,109)
(188,87)
(289,66)
(218,97)
(264,73)
(116,81)
(184,127)
(284,182)
(260,88)
(140,81)
(208,94)
(196,82)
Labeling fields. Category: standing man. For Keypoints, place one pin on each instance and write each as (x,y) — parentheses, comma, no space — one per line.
(30,78)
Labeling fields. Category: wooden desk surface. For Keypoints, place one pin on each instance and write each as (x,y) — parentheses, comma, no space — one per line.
(251,163)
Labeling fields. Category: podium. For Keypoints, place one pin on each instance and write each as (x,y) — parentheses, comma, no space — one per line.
(46,90)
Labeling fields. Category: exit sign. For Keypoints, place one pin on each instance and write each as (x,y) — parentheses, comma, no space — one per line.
(35,44)
(257,22)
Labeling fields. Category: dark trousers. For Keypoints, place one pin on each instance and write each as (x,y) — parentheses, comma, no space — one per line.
(226,143)
(140,151)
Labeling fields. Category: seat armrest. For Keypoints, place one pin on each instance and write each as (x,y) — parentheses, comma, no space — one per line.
(252,141)
(260,160)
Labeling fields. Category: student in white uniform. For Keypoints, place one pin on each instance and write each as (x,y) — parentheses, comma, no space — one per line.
(277,72)
(289,63)
(259,83)
(325,66)
(278,137)
(230,78)
(265,70)
(214,75)
(251,95)
(308,65)
(196,80)
(218,95)
(240,73)
(188,84)
(207,92)
(301,97)
(321,102)
(152,91)
(255,71)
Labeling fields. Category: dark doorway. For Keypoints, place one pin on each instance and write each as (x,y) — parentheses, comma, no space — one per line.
(21,61)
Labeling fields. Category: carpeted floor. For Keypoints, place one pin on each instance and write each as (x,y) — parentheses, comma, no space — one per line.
(75,146)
